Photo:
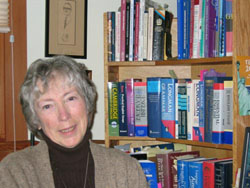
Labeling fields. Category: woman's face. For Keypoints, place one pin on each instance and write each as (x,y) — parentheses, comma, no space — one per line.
(62,112)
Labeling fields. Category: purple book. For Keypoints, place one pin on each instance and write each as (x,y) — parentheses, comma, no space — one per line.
(210,28)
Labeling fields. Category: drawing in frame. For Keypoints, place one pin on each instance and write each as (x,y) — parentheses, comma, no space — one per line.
(66,28)
(245,165)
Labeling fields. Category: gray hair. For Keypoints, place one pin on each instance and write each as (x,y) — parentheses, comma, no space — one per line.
(43,69)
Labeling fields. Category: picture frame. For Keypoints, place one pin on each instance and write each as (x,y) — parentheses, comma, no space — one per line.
(245,165)
(66,28)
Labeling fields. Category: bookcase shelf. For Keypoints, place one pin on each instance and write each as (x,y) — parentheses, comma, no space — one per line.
(190,68)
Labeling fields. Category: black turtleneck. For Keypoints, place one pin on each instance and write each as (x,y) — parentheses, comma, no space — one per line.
(69,165)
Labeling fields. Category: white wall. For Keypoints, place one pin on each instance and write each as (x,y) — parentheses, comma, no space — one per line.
(94,61)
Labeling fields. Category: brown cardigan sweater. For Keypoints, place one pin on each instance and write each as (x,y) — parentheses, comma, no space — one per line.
(30,168)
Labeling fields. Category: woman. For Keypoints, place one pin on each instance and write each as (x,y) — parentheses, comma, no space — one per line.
(58,102)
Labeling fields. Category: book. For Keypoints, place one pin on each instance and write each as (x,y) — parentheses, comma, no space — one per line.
(154,106)
(113,109)
(195,173)
(228,112)
(117,35)
(223,174)
(122,104)
(109,20)
(202,27)
(196,29)
(190,109)
(229,28)
(141,30)
(123,30)
(113,18)
(182,109)
(145,36)
(141,115)
(167,166)
(150,33)
(201,130)
(180,28)
(168,107)
(127,31)
(130,106)
(196,135)
(136,32)
(209,172)
(158,35)
(218,114)
(183,171)
(149,169)
(222,28)
(131,30)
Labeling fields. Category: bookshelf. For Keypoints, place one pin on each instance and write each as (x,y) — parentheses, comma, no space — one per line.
(117,71)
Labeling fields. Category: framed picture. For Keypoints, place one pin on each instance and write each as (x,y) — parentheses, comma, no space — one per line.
(245,165)
(66,28)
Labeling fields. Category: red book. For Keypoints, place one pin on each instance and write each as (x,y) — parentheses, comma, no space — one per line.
(123,30)
(209,172)
(167,166)
(136,42)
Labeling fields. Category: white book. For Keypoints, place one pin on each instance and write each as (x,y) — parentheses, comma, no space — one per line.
(117,35)
(131,30)
(141,30)
(196,31)
(145,36)
(196,103)
(176,112)
(150,33)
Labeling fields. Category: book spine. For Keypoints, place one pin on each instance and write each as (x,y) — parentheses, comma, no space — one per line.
(131,28)
(158,36)
(154,107)
(168,107)
(130,107)
(222,30)
(228,101)
(196,29)
(162,168)
(187,28)
(145,36)
(190,109)
(218,114)
(149,169)
(180,27)
(136,38)
(141,30)
(229,28)
(208,175)
(141,116)
(195,128)
(113,36)
(202,37)
(182,111)
(122,104)
(191,38)
(176,112)
(117,35)
(123,30)
(109,18)
(195,173)
(127,33)
(208,109)
(113,109)
(182,173)
(150,33)
(202,111)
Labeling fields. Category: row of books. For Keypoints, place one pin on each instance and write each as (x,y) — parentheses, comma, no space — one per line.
(204,28)
(170,168)
(137,32)
(199,110)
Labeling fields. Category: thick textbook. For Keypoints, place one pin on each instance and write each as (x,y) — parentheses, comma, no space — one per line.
(113,109)
(154,106)
(149,169)
(167,166)
(122,104)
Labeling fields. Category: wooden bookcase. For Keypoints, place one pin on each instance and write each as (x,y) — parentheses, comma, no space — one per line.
(118,71)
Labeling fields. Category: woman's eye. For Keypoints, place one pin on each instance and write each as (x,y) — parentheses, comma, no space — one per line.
(72,98)
(46,107)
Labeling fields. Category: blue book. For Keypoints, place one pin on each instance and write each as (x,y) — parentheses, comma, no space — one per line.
(183,171)
(187,9)
(201,131)
(122,104)
(168,107)
(180,27)
(208,86)
(154,106)
(113,36)
(195,173)
(149,169)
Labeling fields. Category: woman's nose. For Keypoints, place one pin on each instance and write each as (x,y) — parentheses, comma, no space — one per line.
(63,113)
